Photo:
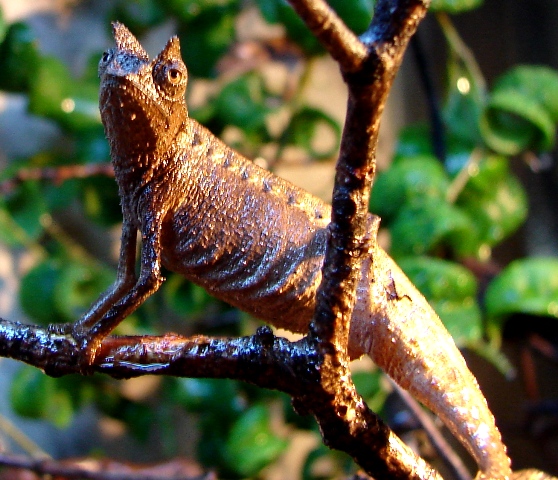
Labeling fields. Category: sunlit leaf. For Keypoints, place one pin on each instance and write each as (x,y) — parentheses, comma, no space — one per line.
(495,202)
(527,286)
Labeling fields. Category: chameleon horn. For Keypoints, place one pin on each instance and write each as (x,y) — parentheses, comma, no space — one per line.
(127,42)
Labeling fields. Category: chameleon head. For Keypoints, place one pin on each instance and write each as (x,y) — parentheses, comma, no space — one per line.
(142,103)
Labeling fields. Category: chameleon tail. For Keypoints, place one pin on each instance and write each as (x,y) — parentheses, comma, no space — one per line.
(405,338)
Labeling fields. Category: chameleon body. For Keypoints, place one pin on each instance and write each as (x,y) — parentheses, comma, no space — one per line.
(257,242)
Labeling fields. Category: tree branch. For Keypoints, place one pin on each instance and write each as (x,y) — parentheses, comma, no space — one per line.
(341,43)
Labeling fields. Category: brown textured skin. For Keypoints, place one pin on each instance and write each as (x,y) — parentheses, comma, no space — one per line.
(257,242)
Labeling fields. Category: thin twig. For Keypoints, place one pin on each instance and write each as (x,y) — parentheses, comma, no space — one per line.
(83,470)
(469,169)
(441,445)
(56,175)
(341,43)
(21,439)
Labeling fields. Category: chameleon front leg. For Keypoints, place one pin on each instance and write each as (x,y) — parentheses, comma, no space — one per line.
(128,292)
(125,279)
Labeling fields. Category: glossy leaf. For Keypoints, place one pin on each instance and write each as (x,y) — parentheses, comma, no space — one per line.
(522,111)
(407,181)
(513,122)
(19,58)
(422,226)
(455,6)
(495,202)
(251,444)
(451,290)
(527,286)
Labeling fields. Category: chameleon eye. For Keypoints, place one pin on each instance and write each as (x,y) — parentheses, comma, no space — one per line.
(174,76)
(106,57)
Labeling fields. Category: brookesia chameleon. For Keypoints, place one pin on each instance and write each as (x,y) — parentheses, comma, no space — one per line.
(257,242)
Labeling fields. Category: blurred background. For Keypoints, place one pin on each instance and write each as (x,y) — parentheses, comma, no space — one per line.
(467,193)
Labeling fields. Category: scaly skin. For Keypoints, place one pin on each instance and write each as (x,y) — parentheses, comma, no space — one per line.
(257,242)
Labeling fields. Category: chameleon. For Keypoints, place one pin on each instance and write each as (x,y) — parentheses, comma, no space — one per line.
(257,242)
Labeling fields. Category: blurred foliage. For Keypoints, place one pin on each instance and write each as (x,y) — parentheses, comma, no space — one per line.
(440,212)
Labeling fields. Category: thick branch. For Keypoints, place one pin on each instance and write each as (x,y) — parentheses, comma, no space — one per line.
(262,359)
(341,43)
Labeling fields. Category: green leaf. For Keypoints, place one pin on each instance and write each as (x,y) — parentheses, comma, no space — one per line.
(77,286)
(19,57)
(3,26)
(27,208)
(455,6)
(36,294)
(55,94)
(495,202)
(99,196)
(303,131)
(522,110)
(207,38)
(184,297)
(280,11)
(190,10)
(242,103)
(422,226)
(35,395)
(513,123)
(10,232)
(407,181)
(527,286)
(413,141)
(251,444)
(357,14)
(464,103)
(138,15)
(215,397)
(451,290)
